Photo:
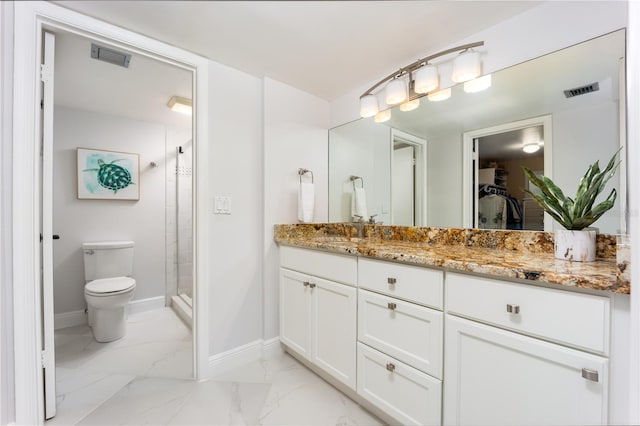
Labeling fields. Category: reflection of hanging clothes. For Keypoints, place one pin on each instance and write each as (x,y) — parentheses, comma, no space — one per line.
(492,212)
(512,213)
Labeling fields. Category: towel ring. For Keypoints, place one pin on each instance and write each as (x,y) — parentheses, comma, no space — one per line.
(302,172)
(354,179)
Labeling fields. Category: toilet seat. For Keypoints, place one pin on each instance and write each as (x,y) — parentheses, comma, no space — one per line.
(109,286)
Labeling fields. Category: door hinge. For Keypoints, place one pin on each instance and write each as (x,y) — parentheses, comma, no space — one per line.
(45,359)
(413,161)
(46,73)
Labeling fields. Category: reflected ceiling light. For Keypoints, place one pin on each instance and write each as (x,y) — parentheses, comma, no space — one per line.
(421,77)
(531,147)
(478,84)
(382,116)
(181,105)
(440,95)
(368,106)
(466,66)
(426,79)
(410,105)
(395,92)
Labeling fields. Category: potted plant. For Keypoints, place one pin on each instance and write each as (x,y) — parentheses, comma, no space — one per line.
(575,214)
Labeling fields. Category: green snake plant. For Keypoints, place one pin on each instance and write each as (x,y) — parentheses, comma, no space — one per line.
(579,212)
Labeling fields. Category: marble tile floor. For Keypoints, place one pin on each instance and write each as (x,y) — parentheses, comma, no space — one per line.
(153,389)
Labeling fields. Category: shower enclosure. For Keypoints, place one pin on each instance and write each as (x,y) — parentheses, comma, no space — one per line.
(180,230)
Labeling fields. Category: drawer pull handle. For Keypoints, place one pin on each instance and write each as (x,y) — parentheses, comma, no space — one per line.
(391,280)
(391,305)
(312,285)
(590,374)
(391,367)
(513,309)
(305,283)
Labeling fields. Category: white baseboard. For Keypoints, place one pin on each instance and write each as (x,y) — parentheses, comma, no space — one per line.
(144,305)
(74,318)
(69,319)
(245,354)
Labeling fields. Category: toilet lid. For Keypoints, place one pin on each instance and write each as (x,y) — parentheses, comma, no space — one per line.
(110,285)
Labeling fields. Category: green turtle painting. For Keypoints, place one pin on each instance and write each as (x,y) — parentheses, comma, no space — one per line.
(112,176)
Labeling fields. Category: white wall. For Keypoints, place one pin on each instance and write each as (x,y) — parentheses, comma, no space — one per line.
(295,135)
(77,221)
(235,170)
(7,410)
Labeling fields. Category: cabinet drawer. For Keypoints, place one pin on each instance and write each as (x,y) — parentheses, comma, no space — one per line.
(406,331)
(333,267)
(576,319)
(413,283)
(403,392)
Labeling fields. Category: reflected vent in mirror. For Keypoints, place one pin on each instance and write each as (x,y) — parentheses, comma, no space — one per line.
(593,87)
(111,56)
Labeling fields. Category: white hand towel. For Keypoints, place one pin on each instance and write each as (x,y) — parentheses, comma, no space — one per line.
(359,204)
(306,199)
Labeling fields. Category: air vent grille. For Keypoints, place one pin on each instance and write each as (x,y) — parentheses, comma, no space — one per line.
(111,56)
(593,87)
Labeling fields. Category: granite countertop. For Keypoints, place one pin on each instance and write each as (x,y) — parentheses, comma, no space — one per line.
(509,254)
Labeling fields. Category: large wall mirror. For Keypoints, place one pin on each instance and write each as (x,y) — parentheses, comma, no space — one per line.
(447,163)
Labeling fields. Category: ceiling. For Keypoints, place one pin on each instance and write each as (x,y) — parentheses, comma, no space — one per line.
(325,48)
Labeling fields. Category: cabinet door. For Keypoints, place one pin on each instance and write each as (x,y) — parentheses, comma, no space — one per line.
(494,377)
(334,329)
(295,311)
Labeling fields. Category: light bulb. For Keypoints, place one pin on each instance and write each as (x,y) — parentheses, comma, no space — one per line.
(368,106)
(396,92)
(382,116)
(530,148)
(410,105)
(466,66)
(426,79)
(440,95)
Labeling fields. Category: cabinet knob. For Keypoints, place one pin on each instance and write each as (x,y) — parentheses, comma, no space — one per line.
(390,367)
(391,305)
(513,309)
(590,374)
(312,285)
(391,280)
(305,283)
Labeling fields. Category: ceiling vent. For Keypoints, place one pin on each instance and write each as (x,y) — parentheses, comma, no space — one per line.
(593,87)
(111,56)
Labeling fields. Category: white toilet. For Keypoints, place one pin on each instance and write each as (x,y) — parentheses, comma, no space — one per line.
(109,287)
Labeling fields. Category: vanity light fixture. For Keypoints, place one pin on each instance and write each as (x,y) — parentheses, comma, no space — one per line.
(440,95)
(419,78)
(181,105)
(410,105)
(466,66)
(478,84)
(382,116)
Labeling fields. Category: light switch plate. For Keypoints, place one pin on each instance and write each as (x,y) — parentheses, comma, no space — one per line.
(221,205)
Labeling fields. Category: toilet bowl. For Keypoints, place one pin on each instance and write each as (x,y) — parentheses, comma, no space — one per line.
(109,287)
(106,303)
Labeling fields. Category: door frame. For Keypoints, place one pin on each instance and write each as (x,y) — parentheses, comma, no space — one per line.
(420,188)
(468,158)
(31,18)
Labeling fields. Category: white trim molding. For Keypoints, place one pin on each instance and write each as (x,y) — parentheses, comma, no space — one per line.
(145,305)
(245,354)
(30,19)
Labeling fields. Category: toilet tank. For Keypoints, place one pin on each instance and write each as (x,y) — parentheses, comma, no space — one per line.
(107,259)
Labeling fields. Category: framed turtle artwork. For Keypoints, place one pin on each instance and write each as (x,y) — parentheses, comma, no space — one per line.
(108,175)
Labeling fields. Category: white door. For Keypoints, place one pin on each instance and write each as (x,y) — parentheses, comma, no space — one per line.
(497,377)
(295,311)
(334,329)
(48,350)
(403,191)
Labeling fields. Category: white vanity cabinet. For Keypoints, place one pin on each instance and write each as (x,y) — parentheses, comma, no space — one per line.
(400,339)
(318,315)
(511,357)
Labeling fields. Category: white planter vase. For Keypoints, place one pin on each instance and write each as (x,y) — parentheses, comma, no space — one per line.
(577,246)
